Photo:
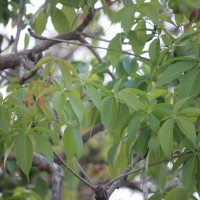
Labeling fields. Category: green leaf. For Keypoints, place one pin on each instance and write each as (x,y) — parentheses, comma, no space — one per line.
(117,85)
(132,130)
(129,97)
(180,161)
(153,122)
(134,39)
(59,20)
(155,93)
(189,84)
(156,196)
(40,22)
(42,130)
(187,128)
(109,112)
(24,153)
(113,153)
(94,95)
(174,71)
(189,171)
(182,103)
(127,18)
(154,50)
(149,10)
(77,105)
(161,176)
(44,145)
(65,73)
(190,112)
(114,51)
(58,101)
(177,194)
(73,143)
(70,3)
(69,66)
(165,135)
(26,40)
(1,98)
(122,117)
(4,120)
(43,61)
(142,143)
(1,148)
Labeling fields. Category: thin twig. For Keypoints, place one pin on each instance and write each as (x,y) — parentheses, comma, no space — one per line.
(73,172)
(81,44)
(19,25)
(99,38)
(83,172)
(96,55)
(150,165)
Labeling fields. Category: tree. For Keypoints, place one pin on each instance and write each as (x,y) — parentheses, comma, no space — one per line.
(131,113)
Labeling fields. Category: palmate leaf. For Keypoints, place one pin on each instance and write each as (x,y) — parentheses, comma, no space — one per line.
(24,153)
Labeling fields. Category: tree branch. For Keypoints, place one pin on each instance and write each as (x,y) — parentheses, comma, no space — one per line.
(145,167)
(73,172)
(12,60)
(19,25)
(97,128)
(96,55)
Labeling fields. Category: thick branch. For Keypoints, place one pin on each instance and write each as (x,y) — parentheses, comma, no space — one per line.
(118,183)
(12,60)
(97,128)
(96,55)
